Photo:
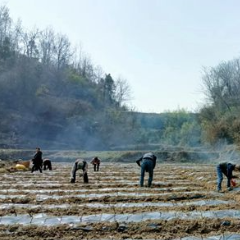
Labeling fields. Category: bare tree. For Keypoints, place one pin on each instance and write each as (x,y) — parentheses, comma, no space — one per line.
(222,84)
(16,37)
(30,43)
(63,51)
(5,33)
(5,24)
(47,46)
(122,91)
(99,73)
(84,65)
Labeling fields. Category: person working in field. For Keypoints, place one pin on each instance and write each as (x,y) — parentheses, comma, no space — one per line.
(226,169)
(37,161)
(147,163)
(96,163)
(47,164)
(80,164)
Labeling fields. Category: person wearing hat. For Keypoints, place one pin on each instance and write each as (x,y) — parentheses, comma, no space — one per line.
(147,163)
(79,164)
(226,169)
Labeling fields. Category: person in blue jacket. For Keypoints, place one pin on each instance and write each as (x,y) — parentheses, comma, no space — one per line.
(226,169)
(147,163)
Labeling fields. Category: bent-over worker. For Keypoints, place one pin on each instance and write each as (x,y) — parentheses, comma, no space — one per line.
(147,163)
(79,164)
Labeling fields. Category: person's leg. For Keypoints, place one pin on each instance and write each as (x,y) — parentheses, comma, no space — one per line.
(73,173)
(229,184)
(219,178)
(150,171)
(97,167)
(39,167)
(33,168)
(50,165)
(94,167)
(44,166)
(85,177)
(143,168)
(36,167)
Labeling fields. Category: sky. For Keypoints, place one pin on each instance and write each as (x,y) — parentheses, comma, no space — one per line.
(159,46)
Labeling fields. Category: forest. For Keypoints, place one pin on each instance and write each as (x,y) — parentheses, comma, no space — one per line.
(53,96)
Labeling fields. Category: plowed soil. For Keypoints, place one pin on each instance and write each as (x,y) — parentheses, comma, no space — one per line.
(178,190)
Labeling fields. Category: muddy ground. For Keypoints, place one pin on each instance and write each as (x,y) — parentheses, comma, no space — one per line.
(182,202)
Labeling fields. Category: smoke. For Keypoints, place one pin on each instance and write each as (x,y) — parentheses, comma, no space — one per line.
(227,153)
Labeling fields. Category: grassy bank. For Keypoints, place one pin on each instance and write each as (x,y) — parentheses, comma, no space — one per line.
(111,156)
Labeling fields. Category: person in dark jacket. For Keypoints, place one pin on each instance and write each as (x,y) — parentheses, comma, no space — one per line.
(226,169)
(47,164)
(80,164)
(37,161)
(147,163)
(96,163)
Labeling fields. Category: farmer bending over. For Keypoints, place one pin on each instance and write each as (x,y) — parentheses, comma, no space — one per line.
(47,164)
(226,169)
(96,163)
(147,163)
(82,165)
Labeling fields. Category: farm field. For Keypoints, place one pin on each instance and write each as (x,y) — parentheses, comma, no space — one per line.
(181,204)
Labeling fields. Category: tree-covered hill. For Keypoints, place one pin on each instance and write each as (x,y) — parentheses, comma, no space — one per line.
(52,96)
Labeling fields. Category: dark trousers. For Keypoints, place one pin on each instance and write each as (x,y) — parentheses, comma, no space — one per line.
(220,179)
(96,167)
(74,171)
(147,166)
(36,167)
(85,177)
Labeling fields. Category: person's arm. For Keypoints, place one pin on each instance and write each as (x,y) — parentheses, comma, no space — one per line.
(138,162)
(230,168)
(154,161)
(35,156)
(40,156)
(73,173)
(85,167)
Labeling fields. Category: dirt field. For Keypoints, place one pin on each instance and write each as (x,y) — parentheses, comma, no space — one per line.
(181,204)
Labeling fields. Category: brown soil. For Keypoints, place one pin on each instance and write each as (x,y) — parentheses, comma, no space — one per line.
(198,182)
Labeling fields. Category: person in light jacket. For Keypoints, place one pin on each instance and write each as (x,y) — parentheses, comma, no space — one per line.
(79,164)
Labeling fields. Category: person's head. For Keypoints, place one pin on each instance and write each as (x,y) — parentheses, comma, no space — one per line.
(37,149)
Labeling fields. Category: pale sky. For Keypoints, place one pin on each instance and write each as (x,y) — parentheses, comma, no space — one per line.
(159,46)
